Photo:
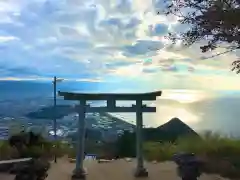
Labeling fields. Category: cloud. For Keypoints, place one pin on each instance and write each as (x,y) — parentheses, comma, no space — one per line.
(143,47)
(150,70)
(158,5)
(116,64)
(158,30)
(17,71)
(7,38)
(101,39)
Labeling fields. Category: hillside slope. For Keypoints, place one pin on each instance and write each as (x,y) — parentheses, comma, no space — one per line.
(97,123)
(169,131)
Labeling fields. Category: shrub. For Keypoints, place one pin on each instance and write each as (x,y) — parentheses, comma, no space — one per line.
(6,151)
(31,145)
(34,152)
(159,151)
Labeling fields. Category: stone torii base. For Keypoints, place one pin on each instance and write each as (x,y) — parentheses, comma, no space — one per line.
(79,174)
(141,172)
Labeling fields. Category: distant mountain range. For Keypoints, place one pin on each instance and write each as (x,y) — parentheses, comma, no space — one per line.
(104,126)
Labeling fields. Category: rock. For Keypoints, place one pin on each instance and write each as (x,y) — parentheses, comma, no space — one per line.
(128,159)
(36,169)
(11,164)
(17,167)
(221,166)
(104,161)
(141,173)
(71,160)
(189,166)
(5,167)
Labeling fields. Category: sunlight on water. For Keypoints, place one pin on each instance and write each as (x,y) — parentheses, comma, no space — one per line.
(184,96)
(172,103)
(165,113)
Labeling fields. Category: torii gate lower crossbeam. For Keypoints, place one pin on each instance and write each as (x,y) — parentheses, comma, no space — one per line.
(83,108)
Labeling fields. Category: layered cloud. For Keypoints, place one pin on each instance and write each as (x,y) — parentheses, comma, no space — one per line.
(105,40)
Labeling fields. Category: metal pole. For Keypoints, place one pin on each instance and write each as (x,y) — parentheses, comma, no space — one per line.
(54,120)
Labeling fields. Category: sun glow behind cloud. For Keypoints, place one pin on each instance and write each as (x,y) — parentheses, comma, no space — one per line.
(103,39)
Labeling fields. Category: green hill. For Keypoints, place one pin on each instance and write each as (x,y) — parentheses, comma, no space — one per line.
(170,132)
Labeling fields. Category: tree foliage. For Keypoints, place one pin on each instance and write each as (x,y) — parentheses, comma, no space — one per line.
(216,22)
(25,138)
(126,145)
(27,143)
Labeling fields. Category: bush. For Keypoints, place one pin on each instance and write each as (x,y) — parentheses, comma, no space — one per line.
(159,151)
(34,152)
(7,152)
(72,153)
(59,148)
(20,145)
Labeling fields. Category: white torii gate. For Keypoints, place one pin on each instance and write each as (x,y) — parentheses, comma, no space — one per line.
(111,99)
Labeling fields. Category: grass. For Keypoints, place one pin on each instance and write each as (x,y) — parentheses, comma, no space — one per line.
(211,145)
(46,150)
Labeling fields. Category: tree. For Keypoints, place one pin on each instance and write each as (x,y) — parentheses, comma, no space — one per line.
(24,141)
(126,145)
(216,22)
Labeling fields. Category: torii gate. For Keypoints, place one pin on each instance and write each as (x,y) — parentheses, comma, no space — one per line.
(111,99)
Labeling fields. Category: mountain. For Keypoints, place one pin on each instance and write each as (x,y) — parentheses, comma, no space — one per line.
(169,131)
(177,127)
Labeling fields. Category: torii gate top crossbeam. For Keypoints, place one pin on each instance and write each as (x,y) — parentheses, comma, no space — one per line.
(150,96)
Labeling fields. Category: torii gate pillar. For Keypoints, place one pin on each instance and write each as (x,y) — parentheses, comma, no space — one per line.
(140,171)
(79,172)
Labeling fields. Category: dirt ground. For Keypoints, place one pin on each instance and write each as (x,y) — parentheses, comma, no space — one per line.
(115,170)
(118,170)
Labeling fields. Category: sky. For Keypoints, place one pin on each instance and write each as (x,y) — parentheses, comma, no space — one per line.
(116,42)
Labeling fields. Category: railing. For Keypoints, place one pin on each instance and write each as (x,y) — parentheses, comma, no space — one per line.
(11,161)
